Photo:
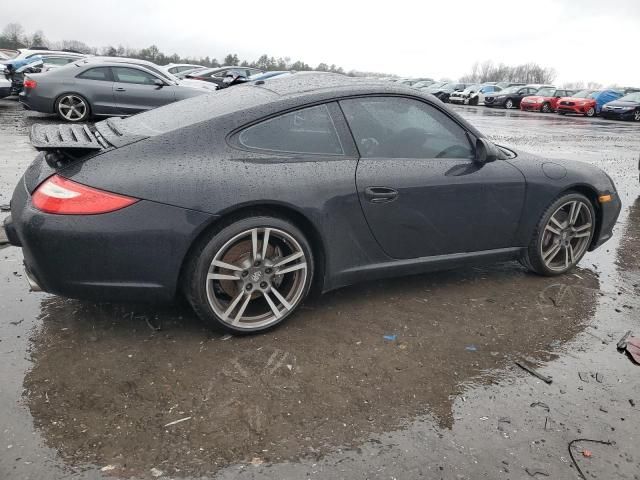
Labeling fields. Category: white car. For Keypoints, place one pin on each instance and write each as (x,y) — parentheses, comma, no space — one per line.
(473,95)
(5,83)
(174,68)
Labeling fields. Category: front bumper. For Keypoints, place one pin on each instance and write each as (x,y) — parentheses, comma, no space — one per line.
(531,107)
(494,102)
(134,254)
(577,109)
(618,115)
(608,216)
(458,100)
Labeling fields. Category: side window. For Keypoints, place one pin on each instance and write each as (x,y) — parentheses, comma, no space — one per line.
(222,73)
(309,130)
(393,127)
(174,70)
(132,75)
(97,73)
(57,60)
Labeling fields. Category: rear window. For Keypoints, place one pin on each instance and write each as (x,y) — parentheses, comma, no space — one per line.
(193,110)
(308,131)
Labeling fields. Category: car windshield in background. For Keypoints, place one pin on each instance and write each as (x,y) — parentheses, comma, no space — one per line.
(510,90)
(582,94)
(632,97)
(546,92)
(474,88)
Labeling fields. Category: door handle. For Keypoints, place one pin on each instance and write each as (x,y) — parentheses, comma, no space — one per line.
(120,89)
(380,194)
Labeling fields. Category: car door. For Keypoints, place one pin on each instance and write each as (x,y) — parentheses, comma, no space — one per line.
(420,190)
(135,90)
(96,85)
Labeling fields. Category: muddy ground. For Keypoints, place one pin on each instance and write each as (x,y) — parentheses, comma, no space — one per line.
(91,390)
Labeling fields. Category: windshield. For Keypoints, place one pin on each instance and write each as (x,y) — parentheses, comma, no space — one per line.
(546,92)
(510,90)
(582,94)
(423,83)
(474,88)
(632,97)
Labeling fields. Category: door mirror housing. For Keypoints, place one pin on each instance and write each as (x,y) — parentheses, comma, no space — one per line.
(158,83)
(485,151)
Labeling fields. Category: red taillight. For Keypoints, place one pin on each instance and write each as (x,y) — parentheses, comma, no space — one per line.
(30,83)
(64,197)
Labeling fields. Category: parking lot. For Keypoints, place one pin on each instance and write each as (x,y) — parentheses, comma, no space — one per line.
(406,378)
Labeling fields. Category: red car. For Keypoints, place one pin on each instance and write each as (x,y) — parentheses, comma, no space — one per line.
(545,100)
(581,103)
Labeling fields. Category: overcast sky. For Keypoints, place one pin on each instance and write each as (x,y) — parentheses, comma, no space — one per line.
(584,40)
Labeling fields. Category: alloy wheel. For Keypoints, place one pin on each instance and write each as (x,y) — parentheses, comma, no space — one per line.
(566,236)
(72,108)
(257,278)
(636,116)
(509,104)
(546,108)
(591,112)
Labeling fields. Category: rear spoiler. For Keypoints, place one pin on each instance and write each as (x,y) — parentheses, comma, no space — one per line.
(65,137)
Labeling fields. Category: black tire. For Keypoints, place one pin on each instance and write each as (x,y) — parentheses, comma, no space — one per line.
(533,257)
(546,108)
(196,282)
(636,116)
(508,104)
(66,114)
(473,101)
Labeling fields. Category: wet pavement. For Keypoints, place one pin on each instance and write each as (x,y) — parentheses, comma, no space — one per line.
(126,391)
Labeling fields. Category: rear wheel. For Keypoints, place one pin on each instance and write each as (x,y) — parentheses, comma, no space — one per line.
(250,275)
(546,108)
(508,103)
(562,236)
(72,107)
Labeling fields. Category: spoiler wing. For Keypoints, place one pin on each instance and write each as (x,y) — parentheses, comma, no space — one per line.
(63,137)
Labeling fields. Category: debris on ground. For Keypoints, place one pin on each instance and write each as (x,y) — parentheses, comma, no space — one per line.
(536,471)
(584,376)
(178,421)
(108,468)
(622,344)
(226,337)
(599,377)
(471,348)
(540,404)
(633,348)
(156,472)
(585,453)
(390,338)
(533,371)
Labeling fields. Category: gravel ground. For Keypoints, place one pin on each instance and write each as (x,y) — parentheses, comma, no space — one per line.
(90,390)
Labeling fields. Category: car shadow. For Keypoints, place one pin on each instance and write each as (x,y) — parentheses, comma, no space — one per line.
(137,387)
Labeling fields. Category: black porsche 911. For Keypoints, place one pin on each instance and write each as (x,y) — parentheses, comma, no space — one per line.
(246,199)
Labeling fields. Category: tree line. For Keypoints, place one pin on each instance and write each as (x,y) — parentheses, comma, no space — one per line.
(525,73)
(14,36)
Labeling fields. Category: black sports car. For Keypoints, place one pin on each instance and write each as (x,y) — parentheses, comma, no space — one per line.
(509,97)
(246,199)
(625,108)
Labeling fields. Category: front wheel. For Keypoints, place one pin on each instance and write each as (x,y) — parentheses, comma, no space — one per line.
(251,275)
(636,116)
(508,104)
(562,236)
(591,112)
(546,108)
(72,107)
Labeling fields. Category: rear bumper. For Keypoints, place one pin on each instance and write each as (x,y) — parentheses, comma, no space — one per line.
(134,254)
(30,101)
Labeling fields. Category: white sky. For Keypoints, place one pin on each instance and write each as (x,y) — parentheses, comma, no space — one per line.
(584,40)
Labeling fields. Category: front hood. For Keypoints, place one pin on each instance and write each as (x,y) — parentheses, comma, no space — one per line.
(625,103)
(198,84)
(534,99)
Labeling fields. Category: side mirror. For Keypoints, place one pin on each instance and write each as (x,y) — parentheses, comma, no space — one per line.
(485,151)
(158,83)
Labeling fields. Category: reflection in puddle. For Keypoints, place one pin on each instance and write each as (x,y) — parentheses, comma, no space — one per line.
(104,384)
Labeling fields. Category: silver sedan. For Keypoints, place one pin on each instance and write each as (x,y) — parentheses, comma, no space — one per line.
(101,87)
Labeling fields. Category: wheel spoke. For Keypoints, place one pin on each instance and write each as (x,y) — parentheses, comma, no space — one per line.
(555,221)
(221,276)
(274,309)
(586,226)
(566,257)
(265,242)
(282,300)
(551,253)
(226,266)
(233,305)
(575,213)
(571,252)
(290,258)
(238,317)
(293,268)
(582,234)
(552,230)
(254,244)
